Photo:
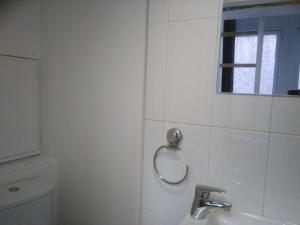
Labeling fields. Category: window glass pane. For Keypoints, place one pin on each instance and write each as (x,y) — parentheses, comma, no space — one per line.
(245,49)
(268,64)
(244,80)
(299,77)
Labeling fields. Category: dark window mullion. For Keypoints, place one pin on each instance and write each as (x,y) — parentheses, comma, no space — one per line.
(228,56)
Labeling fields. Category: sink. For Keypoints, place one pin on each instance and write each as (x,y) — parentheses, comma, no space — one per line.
(219,217)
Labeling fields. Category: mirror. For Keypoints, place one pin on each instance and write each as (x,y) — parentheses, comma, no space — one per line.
(260,48)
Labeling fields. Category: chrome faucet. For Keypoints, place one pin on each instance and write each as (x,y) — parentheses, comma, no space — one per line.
(202,204)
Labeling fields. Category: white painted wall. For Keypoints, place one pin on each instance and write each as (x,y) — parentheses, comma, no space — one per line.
(248,145)
(92,84)
(20,28)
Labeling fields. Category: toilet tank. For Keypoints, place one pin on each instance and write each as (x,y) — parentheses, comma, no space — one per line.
(28,202)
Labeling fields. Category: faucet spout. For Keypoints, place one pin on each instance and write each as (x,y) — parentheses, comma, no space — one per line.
(214,204)
(202,204)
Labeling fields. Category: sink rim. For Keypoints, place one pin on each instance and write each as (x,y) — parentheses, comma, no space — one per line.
(237,216)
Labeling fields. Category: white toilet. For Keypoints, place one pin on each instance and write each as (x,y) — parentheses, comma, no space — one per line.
(28,202)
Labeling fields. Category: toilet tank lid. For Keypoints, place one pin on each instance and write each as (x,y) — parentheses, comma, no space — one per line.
(24,191)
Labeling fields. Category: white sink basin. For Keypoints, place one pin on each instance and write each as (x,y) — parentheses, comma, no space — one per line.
(219,217)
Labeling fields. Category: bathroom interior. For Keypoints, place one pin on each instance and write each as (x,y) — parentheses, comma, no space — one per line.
(149,112)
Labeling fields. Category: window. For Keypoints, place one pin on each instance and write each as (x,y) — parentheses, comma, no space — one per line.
(249,57)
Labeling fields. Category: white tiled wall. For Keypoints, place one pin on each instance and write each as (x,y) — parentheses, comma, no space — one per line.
(248,145)
(238,164)
(242,112)
(283,182)
(190,60)
(157,56)
(192,9)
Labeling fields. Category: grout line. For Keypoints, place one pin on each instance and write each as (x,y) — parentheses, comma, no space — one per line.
(209,155)
(159,22)
(141,194)
(163,124)
(171,217)
(282,133)
(162,165)
(168,16)
(223,127)
(166,69)
(193,19)
(158,213)
(266,176)
(268,159)
(19,57)
(213,81)
(150,210)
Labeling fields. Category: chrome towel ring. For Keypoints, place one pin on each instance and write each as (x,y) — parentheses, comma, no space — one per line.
(174,138)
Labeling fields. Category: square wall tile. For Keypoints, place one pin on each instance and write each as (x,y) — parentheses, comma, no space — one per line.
(156,71)
(150,218)
(158,11)
(193,9)
(165,220)
(238,162)
(242,112)
(176,201)
(151,183)
(285,115)
(283,179)
(190,65)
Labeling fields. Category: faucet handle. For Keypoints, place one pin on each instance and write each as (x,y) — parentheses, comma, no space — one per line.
(202,189)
